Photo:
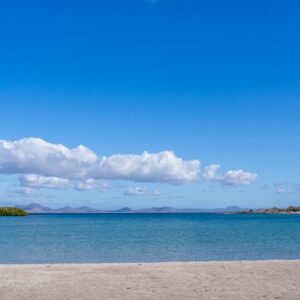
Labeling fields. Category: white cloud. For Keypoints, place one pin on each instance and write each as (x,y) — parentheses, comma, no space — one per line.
(239,177)
(287,187)
(45,165)
(38,181)
(149,167)
(140,191)
(137,191)
(210,172)
(25,191)
(91,184)
(231,177)
(36,156)
(281,191)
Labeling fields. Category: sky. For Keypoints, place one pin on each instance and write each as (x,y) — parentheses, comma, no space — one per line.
(150,103)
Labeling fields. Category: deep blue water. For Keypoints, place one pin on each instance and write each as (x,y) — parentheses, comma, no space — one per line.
(147,238)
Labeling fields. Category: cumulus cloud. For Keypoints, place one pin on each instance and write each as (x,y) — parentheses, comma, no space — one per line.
(231,177)
(140,191)
(36,156)
(41,164)
(91,184)
(210,172)
(51,163)
(38,181)
(163,166)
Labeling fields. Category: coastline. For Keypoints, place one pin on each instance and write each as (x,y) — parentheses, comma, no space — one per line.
(268,279)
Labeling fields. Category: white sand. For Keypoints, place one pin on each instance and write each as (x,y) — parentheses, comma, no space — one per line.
(199,280)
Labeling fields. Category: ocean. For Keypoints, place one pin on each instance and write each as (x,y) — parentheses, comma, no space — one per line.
(98,238)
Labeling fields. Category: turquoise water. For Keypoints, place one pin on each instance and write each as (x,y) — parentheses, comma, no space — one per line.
(147,238)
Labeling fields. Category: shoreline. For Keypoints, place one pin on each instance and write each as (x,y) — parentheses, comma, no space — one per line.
(152,262)
(266,279)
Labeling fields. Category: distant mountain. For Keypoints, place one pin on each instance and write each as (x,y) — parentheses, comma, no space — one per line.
(123,210)
(36,208)
(189,210)
(164,209)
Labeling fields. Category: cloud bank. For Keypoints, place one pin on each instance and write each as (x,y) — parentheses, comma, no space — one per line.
(48,165)
(41,164)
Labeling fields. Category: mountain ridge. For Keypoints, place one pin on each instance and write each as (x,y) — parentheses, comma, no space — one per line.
(36,208)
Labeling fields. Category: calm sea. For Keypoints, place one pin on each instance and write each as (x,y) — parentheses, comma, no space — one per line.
(147,238)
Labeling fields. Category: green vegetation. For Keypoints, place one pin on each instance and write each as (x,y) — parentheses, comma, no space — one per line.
(274,210)
(12,211)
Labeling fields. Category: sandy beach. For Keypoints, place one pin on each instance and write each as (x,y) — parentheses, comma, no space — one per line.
(192,280)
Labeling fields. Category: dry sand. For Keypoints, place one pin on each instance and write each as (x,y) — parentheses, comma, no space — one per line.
(199,280)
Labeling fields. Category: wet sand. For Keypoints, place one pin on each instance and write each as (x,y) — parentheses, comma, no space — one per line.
(190,280)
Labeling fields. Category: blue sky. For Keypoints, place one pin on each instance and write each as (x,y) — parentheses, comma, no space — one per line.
(214,82)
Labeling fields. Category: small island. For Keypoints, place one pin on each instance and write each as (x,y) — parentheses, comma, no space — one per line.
(12,212)
(274,210)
